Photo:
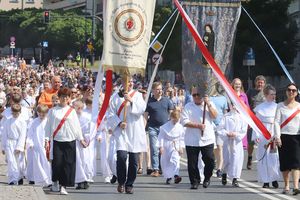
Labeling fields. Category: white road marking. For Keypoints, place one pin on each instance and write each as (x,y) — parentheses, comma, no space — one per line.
(258,189)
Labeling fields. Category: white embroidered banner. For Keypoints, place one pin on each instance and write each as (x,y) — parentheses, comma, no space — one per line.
(127,32)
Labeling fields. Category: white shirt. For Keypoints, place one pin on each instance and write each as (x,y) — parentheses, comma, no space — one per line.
(69,131)
(282,113)
(194,113)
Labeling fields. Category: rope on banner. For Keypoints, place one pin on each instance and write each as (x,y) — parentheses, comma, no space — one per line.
(161,30)
(246,113)
(274,52)
(157,62)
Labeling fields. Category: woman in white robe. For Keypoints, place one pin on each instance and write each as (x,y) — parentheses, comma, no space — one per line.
(232,130)
(268,160)
(39,172)
(171,143)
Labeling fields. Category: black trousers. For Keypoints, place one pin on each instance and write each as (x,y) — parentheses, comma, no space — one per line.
(208,159)
(64,163)
(125,176)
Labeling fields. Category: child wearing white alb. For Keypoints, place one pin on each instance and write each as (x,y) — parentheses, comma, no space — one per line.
(13,143)
(38,170)
(232,130)
(171,143)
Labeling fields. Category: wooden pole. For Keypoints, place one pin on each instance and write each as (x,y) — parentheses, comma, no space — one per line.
(203,117)
(126,78)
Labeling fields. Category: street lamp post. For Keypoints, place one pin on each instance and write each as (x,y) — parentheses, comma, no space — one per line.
(249,61)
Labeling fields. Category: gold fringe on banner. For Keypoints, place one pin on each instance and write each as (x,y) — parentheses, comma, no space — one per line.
(125,70)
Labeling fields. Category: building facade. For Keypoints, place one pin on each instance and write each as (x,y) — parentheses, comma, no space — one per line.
(20,4)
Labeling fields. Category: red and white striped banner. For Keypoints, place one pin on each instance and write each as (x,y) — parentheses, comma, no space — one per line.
(245,112)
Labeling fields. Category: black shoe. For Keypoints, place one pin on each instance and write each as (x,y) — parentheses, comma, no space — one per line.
(266,185)
(219,173)
(224,179)
(296,191)
(275,184)
(149,171)
(249,163)
(31,182)
(194,186)
(235,183)
(129,190)
(86,185)
(113,179)
(168,181)
(12,183)
(80,186)
(206,183)
(160,172)
(177,179)
(20,182)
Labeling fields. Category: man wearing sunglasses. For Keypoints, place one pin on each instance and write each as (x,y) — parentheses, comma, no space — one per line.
(198,118)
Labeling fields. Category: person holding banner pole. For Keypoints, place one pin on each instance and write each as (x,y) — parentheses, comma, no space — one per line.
(129,134)
(199,137)
(287,137)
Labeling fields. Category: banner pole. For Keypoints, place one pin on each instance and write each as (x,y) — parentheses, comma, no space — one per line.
(157,62)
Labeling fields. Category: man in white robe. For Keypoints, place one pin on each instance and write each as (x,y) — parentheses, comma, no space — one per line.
(130,134)
(232,130)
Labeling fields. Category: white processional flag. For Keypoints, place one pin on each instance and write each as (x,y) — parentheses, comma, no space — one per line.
(127,33)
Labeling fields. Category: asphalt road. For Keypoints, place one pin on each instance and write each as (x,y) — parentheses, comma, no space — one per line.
(148,188)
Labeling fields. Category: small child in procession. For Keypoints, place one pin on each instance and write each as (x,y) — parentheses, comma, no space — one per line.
(171,143)
(232,130)
(39,170)
(13,144)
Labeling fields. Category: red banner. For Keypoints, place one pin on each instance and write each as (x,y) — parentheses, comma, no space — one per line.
(105,104)
(245,112)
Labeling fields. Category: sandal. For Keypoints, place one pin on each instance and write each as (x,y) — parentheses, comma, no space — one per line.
(140,171)
(286,191)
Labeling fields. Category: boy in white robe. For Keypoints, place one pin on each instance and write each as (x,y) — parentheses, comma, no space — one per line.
(171,143)
(13,143)
(232,130)
(82,155)
(267,156)
(39,170)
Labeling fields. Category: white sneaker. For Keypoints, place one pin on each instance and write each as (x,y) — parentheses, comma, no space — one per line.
(107,179)
(55,187)
(63,191)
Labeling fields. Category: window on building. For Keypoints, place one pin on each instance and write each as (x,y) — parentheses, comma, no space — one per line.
(29,1)
(13,1)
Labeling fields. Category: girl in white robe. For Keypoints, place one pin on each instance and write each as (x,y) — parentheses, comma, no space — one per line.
(171,143)
(39,170)
(13,144)
(232,130)
(268,160)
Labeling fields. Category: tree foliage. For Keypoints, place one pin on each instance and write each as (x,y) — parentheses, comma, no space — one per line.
(272,17)
(172,53)
(67,31)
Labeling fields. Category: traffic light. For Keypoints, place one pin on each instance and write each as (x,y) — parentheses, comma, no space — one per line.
(46,16)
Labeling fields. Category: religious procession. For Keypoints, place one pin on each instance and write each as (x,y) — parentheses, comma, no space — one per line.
(74,131)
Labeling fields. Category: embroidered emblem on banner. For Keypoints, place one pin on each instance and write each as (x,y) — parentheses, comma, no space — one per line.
(129,24)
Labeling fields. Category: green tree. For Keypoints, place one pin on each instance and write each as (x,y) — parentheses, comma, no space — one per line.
(272,17)
(172,53)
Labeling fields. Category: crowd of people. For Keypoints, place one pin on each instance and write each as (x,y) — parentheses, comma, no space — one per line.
(48,133)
